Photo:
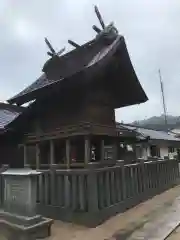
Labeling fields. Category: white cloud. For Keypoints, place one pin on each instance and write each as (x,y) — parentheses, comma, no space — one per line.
(25,31)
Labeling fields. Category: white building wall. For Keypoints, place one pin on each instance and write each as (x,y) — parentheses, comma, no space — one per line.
(164,151)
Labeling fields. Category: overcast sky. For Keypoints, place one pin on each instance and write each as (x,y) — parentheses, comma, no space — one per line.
(150,27)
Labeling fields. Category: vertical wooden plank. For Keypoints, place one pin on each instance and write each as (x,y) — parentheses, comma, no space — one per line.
(101,190)
(37,156)
(53,189)
(68,153)
(60,190)
(46,188)
(126,177)
(132,178)
(87,151)
(67,192)
(118,185)
(107,187)
(81,183)
(41,188)
(124,190)
(74,192)
(135,179)
(142,168)
(112,187)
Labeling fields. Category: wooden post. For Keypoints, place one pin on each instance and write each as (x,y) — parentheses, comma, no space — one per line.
(51,152)
(102,151)
(115,151)
(87,153)
(37,156)
(68,153)
(25,155)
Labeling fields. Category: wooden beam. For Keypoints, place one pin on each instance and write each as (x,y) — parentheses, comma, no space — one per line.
(73,44)
(68,153)
(96,29)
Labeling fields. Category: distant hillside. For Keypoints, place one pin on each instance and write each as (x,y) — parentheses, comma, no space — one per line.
(157,123)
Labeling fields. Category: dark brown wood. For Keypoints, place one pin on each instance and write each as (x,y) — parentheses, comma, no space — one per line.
(25,155)
(74,44)
(37,156)
(87,147)
(68,153)
(52,152)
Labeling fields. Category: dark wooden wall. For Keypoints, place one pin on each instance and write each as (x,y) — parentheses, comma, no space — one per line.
(70,109)
(10,153)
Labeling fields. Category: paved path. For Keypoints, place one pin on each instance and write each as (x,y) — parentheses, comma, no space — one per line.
(161,226)
(175,235)
(122,225)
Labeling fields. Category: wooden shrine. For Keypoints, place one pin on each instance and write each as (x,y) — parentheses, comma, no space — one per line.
(73,116)
(71,136)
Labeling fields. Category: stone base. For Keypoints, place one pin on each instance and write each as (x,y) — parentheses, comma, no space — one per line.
(12,229)
(20,220)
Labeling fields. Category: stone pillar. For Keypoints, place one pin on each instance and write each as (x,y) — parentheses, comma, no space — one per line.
(87,150)
(92,191)
(102,151)
(37,156)
(52,161)
(68,153)
(25,155)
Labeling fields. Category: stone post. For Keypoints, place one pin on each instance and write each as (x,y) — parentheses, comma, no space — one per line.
(92,191)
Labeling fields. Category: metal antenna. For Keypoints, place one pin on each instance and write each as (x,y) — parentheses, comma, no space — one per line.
(99,17)
(163,100)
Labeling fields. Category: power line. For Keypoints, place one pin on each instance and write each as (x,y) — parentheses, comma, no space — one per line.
(163,100)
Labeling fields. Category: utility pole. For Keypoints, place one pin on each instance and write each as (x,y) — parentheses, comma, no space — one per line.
(163,100)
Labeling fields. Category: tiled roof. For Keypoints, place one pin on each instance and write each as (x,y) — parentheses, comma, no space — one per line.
(157,135)
(152,134)
(7,114)
(6,117)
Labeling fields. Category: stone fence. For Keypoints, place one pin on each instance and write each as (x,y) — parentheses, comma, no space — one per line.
(89,196)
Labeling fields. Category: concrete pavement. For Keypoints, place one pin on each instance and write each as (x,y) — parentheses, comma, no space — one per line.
(120,226)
